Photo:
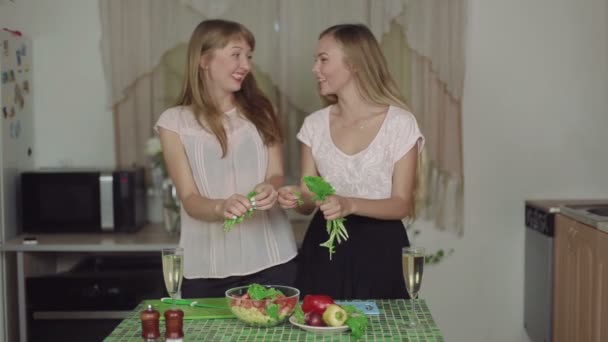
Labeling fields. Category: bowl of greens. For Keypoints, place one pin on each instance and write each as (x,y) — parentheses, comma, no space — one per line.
(262,305)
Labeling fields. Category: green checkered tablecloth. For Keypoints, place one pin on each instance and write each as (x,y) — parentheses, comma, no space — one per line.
(390,325)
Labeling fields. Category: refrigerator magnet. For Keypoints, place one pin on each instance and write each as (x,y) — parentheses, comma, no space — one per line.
(5,47)
(18,96)
(23,50)
(11,76)
(12,112)
(26,86)
(18,53)
(5,112)
(17,129)
(4,77)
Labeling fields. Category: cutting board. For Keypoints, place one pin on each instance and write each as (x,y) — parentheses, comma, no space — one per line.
(195,312)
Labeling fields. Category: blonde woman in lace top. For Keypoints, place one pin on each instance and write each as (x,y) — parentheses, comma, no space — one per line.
(220,142)
(365,143)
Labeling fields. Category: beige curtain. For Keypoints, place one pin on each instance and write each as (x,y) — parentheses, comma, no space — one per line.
(144,46)
(135,39)
(435,31)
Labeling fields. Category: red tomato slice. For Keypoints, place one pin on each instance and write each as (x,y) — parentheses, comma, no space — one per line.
(259,303)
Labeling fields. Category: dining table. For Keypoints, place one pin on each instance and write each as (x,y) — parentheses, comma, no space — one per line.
(390,324)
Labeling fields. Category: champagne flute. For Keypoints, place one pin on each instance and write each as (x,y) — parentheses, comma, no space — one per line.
(173,270)
(413,265)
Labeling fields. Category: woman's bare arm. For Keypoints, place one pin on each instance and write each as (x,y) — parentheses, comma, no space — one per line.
(197,206)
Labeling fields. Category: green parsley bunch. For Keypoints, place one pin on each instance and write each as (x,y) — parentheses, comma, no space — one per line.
(229,223)
(335,228)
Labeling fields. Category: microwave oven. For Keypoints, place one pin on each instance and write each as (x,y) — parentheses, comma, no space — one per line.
(79,201)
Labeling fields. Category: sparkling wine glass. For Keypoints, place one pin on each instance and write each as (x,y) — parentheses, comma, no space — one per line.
(173,270)
(413,266)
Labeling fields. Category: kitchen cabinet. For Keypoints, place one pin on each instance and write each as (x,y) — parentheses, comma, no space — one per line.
(580,311)
(43,258)
(602,299)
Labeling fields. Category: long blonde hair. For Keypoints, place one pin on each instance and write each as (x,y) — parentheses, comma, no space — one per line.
(363,54)
(208,36)
(374,82)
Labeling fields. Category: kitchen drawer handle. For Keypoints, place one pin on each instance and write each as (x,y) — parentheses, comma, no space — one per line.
(50,315)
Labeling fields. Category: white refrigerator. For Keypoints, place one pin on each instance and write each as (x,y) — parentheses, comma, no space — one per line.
(16,155)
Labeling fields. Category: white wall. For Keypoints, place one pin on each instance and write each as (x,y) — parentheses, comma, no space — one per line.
(535,126)
(72,125)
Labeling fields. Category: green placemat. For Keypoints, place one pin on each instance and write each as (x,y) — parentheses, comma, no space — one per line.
(194,312)
(390,325)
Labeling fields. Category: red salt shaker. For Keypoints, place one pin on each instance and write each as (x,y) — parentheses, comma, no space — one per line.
(174,322)
(149,324)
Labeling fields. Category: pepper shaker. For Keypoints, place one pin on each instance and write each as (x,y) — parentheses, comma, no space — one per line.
(149,324)
(174,322)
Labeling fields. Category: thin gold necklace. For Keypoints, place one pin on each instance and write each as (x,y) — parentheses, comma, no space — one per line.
(360,123)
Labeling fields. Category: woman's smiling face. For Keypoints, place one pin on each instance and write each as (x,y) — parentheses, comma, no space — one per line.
(330,69)
(228,67)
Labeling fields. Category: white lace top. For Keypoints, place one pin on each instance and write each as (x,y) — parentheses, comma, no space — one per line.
(266,239)
(366,174)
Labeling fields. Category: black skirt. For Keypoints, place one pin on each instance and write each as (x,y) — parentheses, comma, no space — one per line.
(366,266)
(283,274)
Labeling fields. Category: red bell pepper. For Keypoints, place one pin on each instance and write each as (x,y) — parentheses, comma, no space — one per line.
(316,303)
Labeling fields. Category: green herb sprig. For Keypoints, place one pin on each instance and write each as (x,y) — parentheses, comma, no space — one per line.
(299,314)
(335,228)
(356,321)
(299,198)
(259,292)
(319,187)
(229,223)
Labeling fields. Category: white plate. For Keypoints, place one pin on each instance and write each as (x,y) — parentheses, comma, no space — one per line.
(318,330)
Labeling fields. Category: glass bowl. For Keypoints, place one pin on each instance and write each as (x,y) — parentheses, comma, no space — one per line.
(259,313)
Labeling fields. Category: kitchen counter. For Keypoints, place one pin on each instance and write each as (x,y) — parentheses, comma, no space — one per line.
(150,238)
(574,209)
(555,205)
(580,213)
(390,325)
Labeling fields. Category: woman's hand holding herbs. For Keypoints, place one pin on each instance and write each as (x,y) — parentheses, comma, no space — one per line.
(265,198)
(335,207)
(290,197)
(235,206)
(238,207)
(323,192)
